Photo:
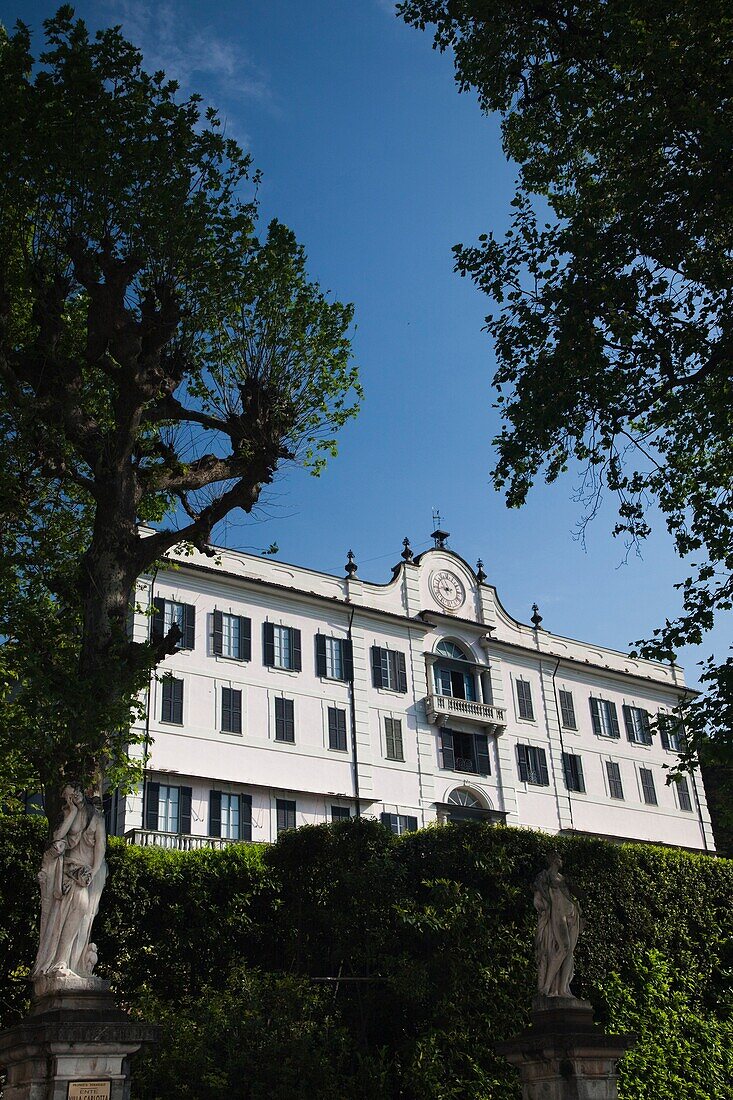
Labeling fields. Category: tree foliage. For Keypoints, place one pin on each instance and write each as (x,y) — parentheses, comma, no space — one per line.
(614,284)
(159,362)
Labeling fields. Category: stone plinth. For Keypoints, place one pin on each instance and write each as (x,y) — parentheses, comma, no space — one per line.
(564,1055)
(74,1033)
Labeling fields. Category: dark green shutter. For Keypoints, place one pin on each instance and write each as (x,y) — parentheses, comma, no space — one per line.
(646,730)
(320,655)
(662,720)
(268,644)
(236,711)
(543,774)
(166,707)
(523,762)
(411,823)
(347,660)
(483,765)
(629,722)
(152,797)
(295,654)
(188,641)
(386,820)
(226,709)
(245,817)
(214,813)
(217,634)
(595,715)
(184,820)
(377,666)
(177,686)
(245,638)
(158,623)
(401,672)
(446,745)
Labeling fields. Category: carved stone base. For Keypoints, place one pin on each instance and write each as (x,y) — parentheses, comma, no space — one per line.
(74,1033)
(565,1055)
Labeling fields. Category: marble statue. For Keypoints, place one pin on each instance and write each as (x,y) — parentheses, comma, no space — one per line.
(72,876)
(558,926)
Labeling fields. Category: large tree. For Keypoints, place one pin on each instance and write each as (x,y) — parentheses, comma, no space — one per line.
(614,285)
(158,363)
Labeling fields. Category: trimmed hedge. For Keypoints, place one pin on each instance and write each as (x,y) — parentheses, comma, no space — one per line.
(248,957)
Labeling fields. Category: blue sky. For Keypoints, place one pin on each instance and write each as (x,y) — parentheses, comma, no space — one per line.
(379,165)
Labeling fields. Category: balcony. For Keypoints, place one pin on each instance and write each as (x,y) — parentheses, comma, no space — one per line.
(179,842)
(442,707)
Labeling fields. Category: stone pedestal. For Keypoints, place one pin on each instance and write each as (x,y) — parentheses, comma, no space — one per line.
(75,1036)
(564,1055)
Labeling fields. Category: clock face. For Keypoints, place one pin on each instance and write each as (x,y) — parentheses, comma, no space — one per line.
(447,589)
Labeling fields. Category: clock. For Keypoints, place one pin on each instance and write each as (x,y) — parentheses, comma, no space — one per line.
(447,589)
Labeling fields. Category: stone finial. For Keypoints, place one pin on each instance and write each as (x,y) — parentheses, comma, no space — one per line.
(480,575)
(351,565)
(536,617)
(407,552)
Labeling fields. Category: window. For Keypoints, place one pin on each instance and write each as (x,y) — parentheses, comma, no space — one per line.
(172,705)
(284,720)
(533,765)
(451,678)
(524,700)
(281,645)
(604,718)
(671,732)
(231,636)
(340,813)
(647,787)
(169,613)
(567,710)
(683,794)
(285,814)
(231,710)
(636,721)
(615,787)
(393,739)
(334,658)
(572,767)
(337,729)
(399,823)
(230,815)
(388,669)
(465,752)
(167,808)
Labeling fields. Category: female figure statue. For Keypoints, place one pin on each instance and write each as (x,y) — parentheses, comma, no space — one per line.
(558,926)
(72,876)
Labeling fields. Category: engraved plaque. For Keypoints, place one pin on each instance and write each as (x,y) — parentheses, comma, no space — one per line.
(89,1090)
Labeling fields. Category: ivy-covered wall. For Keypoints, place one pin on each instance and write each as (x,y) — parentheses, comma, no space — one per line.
(345,961)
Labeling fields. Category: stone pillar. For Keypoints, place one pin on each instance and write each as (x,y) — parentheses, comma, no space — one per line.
(564,1055)
(75,1044)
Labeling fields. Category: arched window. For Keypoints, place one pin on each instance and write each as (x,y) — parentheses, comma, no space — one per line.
(461,797)
(453,675)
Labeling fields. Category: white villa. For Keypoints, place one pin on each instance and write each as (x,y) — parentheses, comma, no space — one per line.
(296,697)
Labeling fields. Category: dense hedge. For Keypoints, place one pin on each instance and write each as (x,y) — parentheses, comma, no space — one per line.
(229,950)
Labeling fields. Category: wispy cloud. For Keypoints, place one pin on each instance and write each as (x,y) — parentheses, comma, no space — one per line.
(390,6)
(191,52)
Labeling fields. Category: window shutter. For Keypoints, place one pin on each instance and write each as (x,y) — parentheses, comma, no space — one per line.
(377,667)
(290,721)
(567,710)
(226,708)
(177,702)
(295,655)
(245,638)
(347,660)
(188,640)
(386,820)
(158,623)
(217,634)
(166,708)
(646,731)
(236,711)
(245,817)
(268,644)
(524,700)
(662,720)
(401,672)
(544,777)
(184,817)
(152,795)
(483,765)
(629,723)
(446,744)
(399,751)
(523,762)
(613,719)
(320,655)
(595,715)
(683,792)
(279,719)
(411,824)
(214,813)
(581,777)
